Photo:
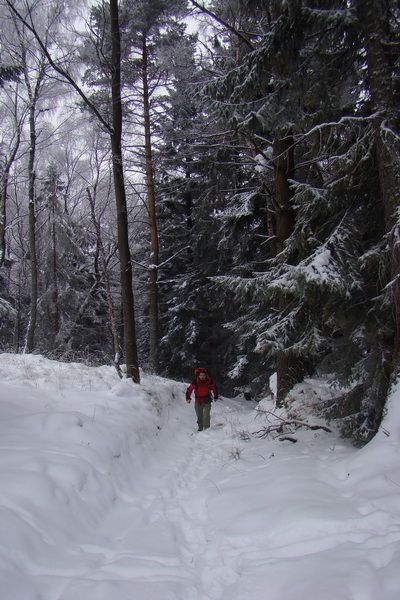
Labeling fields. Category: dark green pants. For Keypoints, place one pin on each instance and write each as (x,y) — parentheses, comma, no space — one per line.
(203,414)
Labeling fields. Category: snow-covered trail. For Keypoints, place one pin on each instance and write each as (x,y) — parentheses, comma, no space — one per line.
(156,541)
(210,517)
(109,493)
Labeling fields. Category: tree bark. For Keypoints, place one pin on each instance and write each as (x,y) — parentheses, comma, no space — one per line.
(56,313)
(106,275)
(3,213)
(3,194)
(374,16)
(130,346)
(151,204)
(30,335)
(284,170)
(290,368)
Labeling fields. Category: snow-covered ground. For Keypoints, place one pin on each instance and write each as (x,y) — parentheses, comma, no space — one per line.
(107,492)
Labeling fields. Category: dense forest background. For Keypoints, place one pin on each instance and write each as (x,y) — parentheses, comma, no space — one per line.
(211,183)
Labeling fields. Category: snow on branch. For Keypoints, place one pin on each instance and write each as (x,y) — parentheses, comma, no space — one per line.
(285,429)
(344,122)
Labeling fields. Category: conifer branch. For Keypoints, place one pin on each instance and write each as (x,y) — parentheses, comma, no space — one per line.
(223,23)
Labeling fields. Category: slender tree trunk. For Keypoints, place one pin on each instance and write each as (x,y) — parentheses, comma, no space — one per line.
(290,369)
(33,92)
(3,196)
(5,179)
(188,203)
(130,347)
(3,217)
(151,202)
(106,275)
(284,170)
(55,294)
(17,322)
(30,336)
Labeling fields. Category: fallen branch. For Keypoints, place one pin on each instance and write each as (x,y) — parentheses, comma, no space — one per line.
(286,425)
(302,424)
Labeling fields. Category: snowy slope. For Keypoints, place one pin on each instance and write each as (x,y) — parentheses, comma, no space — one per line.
(108,493)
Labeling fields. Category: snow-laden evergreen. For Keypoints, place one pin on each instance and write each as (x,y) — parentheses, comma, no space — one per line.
(108,493)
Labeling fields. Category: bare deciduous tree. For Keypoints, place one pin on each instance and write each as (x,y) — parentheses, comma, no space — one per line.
(114,130)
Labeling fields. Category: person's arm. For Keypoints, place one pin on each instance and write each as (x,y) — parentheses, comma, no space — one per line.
(215,392)
(189,392)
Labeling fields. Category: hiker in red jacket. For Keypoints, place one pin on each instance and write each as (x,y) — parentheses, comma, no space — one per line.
(202,385)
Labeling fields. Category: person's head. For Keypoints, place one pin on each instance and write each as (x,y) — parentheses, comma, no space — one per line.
(201,374)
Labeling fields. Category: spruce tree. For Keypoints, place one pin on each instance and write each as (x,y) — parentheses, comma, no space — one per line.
(295,95)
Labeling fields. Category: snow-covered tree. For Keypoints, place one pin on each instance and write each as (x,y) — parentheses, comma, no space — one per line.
(296,95)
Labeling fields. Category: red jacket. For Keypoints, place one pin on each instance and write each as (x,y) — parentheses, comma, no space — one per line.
(202,390)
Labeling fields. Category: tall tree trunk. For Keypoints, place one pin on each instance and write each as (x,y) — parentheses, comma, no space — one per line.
(33,92)
(374,17)
(151,203)
(3,194)
(130,346)
(3,217)
(30,336)
(55,293)
(284,170)
(18,310)
(290,369)
(106,275)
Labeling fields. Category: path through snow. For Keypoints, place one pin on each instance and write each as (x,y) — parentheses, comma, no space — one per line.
(159,534)
(109,493)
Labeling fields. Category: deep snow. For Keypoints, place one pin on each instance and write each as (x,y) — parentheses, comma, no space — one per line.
(108,493)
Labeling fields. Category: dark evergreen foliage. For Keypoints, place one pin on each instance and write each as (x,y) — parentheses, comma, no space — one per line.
(300,78)
(8,73)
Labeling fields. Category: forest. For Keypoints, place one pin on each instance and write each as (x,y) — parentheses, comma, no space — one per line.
(206,182)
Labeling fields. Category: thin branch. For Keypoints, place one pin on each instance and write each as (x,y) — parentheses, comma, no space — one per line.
(58,69)
(279,428)
(149,267)
(223,23)
(172,257)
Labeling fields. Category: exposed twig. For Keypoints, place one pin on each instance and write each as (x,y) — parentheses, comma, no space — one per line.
(279,428)
(303,424)
(57,67)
